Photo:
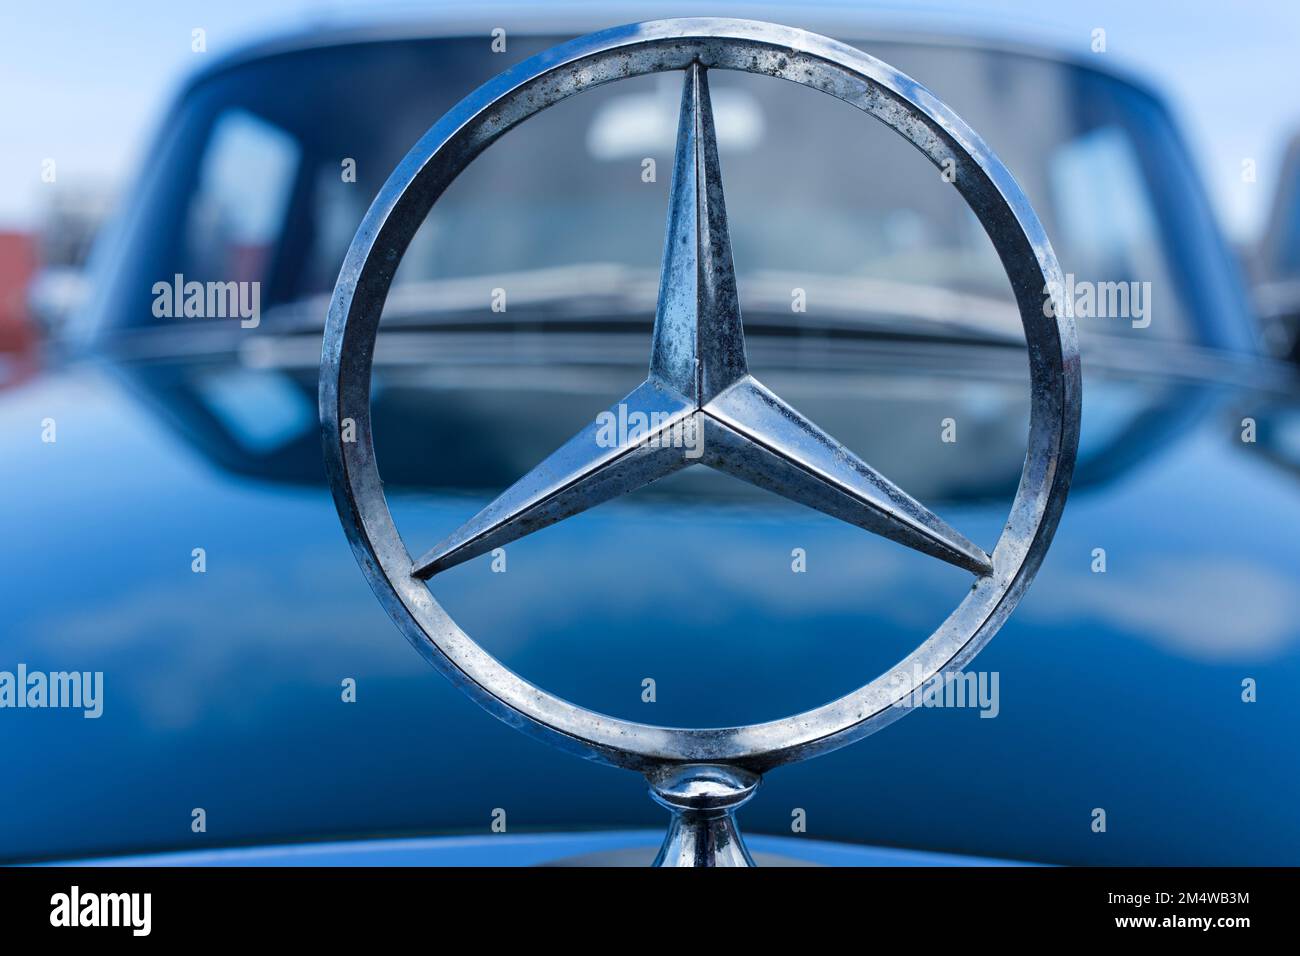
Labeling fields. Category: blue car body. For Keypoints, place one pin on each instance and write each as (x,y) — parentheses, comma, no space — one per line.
(1158,690)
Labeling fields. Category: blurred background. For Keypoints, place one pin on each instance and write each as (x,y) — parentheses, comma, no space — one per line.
(88,84)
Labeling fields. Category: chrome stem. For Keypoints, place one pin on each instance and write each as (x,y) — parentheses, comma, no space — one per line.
(703,799)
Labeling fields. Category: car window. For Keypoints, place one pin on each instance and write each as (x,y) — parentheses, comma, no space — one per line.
(1114,236)
(236,215)
(567,212)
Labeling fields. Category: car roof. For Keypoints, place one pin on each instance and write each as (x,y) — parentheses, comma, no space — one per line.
(566,20)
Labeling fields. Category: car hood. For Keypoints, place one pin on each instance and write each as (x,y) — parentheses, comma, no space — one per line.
(224,691)
(602,848)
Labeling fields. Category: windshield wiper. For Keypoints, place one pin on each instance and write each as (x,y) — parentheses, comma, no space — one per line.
(601,296)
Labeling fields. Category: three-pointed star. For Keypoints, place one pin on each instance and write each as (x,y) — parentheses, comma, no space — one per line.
(699,403)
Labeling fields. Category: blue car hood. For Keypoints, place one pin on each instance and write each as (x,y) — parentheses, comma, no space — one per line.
(225,690)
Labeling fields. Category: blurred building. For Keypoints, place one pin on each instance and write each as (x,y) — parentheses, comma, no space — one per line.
(18,263)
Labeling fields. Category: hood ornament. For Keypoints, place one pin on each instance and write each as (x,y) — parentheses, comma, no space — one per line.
(699,382)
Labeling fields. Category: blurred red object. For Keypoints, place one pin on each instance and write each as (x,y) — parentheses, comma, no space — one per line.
(17,266)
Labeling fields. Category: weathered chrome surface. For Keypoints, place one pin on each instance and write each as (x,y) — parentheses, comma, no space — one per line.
(699,381)
(703,800)
(698,373)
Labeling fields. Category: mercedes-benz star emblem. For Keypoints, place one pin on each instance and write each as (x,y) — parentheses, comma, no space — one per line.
(699,385)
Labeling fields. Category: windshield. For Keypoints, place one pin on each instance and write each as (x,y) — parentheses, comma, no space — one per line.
(266,170)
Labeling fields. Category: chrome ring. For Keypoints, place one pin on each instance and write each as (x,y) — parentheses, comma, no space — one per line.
(634,50)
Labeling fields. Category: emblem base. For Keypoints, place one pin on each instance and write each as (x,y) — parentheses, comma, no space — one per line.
(703,799)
